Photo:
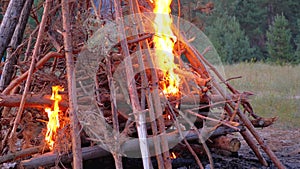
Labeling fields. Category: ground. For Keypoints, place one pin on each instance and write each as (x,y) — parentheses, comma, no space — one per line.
(284,142)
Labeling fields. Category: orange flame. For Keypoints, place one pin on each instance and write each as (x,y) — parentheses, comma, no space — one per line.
(164,43)
(53,115)
(173,155)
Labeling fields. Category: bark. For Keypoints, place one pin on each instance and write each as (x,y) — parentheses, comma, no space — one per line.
(9,24)
(8,69)
(73,107)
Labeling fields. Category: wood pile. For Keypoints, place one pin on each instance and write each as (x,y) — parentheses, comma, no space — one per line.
(113,92)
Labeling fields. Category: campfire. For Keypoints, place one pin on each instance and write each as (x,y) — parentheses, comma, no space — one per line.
(139,87)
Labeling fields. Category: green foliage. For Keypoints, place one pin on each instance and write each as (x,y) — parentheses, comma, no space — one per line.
(252,16)
(297,42)
(279,41)
(230,40)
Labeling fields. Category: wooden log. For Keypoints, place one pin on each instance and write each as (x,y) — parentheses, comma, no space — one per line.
(34,101)
(23,153)
(130,146)
(263,122)
(226,143)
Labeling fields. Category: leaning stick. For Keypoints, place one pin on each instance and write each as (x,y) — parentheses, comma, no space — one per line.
(73,107)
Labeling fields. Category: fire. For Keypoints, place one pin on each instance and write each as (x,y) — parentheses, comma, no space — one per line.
(164,43)
(173,155)
(53,115)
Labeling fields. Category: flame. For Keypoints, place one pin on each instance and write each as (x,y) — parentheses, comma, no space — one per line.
(53,115)
(173,155)
(164,43)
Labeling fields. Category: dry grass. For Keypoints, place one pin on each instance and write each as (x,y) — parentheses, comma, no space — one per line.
(277,90)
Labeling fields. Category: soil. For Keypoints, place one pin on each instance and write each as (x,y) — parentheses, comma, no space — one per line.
(285,143)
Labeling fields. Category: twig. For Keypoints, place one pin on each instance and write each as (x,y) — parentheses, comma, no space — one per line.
(32,65)
(75,128)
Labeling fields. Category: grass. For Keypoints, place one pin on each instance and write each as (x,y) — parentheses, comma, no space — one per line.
(277,90)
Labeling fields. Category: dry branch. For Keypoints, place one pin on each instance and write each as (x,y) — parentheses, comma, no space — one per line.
(73,107)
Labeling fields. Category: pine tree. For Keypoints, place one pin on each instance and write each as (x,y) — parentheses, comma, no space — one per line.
(279,41)
(230,40)
(252,16)
(297,42)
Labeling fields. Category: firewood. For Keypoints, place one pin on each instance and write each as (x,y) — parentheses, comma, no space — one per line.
(22,153)
(263,122)
(226,143)
(34,101)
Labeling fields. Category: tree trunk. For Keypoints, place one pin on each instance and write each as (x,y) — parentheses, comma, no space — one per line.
(8,69)
(9,23)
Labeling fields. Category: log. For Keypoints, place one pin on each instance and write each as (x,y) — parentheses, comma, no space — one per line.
(34,101)
(42,101)
(130,146)
(263,122)
(19,154)
(226,143)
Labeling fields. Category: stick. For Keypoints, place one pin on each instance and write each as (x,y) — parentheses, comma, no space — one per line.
(75,129)
(32,65)
(136,107)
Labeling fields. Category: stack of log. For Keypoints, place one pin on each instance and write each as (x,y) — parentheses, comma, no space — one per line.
(117,95)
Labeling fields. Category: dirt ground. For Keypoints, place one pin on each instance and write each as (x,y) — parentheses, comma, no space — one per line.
(284,142)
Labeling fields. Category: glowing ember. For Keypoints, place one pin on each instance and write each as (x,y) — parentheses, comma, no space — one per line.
(53,115)
(173,155)
(164,42)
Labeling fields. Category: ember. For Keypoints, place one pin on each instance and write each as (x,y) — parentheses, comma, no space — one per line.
(53,115)
(173,155)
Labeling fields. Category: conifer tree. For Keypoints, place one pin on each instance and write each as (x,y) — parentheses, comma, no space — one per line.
(279,41)
(230,40)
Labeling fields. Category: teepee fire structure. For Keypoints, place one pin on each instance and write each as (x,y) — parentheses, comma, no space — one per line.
(136,85)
